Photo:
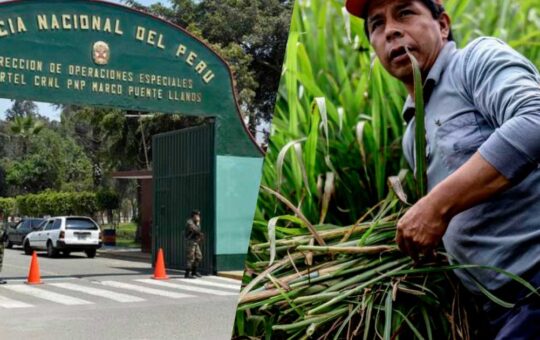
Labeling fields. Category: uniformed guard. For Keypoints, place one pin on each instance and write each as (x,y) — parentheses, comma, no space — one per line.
(194,237)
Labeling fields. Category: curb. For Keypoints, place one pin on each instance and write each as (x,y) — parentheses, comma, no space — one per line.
(236,275)
(125,255)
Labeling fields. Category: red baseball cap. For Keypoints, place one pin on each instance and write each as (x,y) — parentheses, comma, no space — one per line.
(358,7)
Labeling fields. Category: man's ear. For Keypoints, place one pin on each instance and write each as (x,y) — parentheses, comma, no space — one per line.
(444,22)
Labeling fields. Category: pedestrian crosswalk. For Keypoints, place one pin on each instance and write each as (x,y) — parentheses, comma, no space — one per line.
(85,292)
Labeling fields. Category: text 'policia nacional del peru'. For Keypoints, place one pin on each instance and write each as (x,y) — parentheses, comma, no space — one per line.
(99,78)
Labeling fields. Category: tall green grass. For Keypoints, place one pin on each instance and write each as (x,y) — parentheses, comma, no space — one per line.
(336,139)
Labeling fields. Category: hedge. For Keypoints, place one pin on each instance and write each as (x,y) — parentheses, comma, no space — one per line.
(7,206)
(56,204)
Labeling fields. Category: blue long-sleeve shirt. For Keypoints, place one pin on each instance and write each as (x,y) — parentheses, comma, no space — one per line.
(486,98)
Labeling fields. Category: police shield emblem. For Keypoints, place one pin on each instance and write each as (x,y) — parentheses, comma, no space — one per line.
(101,53)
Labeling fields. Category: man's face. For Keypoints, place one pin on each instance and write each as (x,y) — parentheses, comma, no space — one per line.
(196,218)
(394,25)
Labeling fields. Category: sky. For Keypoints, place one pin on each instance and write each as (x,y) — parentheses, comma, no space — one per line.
(46,109)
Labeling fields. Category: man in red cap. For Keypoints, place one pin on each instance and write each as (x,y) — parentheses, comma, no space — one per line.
(482,122)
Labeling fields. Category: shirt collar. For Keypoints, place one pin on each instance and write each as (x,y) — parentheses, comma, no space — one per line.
(433,78)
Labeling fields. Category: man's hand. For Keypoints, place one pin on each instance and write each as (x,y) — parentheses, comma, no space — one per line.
(421,229)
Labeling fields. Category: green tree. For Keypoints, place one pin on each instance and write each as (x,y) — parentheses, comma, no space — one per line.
(25,128)
(250,34)
(33,174)
(74,167)
(261,29)
(22,108)
(52,161)
(85,126)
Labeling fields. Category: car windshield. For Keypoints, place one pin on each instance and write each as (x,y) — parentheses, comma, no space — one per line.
(36,222)
(41,225)
(80,224)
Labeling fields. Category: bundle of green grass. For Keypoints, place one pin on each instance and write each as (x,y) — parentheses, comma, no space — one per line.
(334,282)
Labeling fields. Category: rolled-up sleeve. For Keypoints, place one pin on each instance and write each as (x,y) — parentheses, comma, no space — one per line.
(505,88)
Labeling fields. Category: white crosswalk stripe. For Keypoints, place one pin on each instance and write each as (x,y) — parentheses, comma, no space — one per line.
(47,295)
(9,303)
(186,287)
(98,292)
(204,282)
(146,290)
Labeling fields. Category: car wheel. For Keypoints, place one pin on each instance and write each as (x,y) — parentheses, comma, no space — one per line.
(91,253)
(51,252)
(27,249)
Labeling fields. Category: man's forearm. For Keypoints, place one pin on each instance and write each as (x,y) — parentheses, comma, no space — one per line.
(474,182)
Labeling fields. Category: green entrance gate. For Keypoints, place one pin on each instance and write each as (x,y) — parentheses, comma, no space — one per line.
(183,184)
(103,54)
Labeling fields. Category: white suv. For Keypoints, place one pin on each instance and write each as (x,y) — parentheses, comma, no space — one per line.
(66,234)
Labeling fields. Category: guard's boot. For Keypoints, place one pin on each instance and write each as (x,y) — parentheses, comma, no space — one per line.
(3,282)
(187,275)
(194,271)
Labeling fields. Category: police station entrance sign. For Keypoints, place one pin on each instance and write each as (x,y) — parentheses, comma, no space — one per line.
(103,54)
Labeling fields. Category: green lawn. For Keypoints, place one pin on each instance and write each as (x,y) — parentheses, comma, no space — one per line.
(125,235)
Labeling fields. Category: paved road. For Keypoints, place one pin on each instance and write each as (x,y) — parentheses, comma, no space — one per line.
(105,298)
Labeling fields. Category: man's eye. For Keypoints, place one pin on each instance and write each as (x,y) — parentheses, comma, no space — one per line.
(405,12)
(375,24)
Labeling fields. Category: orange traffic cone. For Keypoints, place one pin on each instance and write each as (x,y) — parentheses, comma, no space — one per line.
(159,271)
(33,274)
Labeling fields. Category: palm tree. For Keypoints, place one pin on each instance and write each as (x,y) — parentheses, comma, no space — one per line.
(25,127)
